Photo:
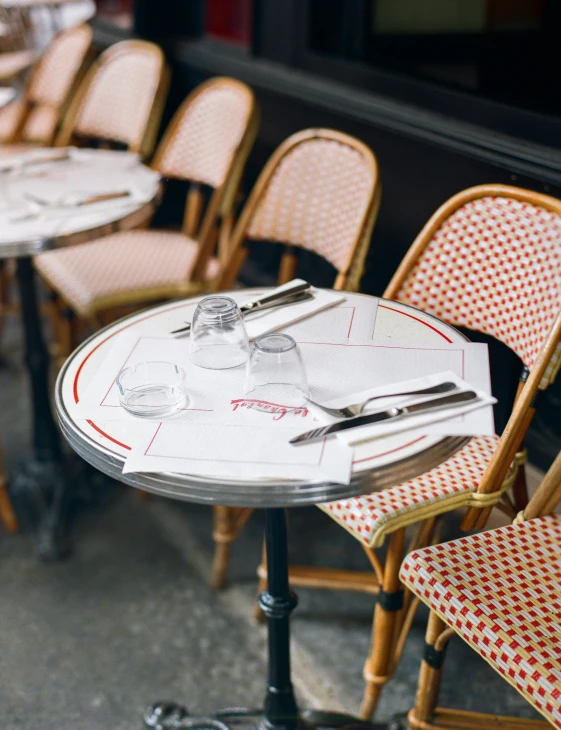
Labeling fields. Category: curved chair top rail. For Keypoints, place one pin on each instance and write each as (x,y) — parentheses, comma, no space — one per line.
(121,99)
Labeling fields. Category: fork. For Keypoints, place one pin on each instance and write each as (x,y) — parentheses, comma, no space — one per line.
(357,408)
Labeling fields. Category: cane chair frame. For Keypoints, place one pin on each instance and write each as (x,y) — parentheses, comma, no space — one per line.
(27,101)
(425,715)
(395,607)
(348,277)
(145,143)
(203,226)
(547,364)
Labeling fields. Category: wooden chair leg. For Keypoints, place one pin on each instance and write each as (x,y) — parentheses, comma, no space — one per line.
(258,612)
(520,487)
(224,236)
(228,523)
(4,294)
(430,674)
(7,513)
(64,326)
(387,616)
(53,311)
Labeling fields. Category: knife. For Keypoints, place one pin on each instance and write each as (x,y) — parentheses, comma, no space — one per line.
(88,200)
(286,292)
(42,160)
(457,399)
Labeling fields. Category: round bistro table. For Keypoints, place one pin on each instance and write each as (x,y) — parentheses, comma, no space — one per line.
(40,485)
(104,446)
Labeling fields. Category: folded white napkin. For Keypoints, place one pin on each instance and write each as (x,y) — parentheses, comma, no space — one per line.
(467,419)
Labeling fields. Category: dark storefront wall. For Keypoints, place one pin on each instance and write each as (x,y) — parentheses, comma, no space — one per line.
(424,155)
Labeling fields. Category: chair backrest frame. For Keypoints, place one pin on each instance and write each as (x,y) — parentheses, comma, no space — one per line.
(30,95)
(144,144)
(223,197)
(546,364)
(348,277)
(29,103)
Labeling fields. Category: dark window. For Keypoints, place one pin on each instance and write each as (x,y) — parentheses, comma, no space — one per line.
(501,49)
(119,12)
(230,20)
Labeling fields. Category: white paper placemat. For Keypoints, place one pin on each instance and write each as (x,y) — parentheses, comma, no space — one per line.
(237,451)
(335,369)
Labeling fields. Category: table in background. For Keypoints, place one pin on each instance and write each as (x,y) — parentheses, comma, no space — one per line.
(58,14)
(41,480)
(104,446)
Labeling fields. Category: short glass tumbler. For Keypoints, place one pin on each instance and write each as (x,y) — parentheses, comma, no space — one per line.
(275,373)
(152,389)
(218,336)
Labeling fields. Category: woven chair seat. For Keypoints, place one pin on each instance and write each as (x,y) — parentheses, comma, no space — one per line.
(102,273)
(372,516)
(501,592)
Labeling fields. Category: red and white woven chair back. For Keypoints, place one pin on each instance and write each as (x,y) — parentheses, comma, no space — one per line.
(206,133)
(52,81)
(120,95)
(493,264)
(316,193)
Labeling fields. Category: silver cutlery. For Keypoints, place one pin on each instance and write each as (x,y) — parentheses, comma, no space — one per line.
(296,294)
(276,295)
(357,408)
(44,205)
(88,200)
(437,404)
(42,160)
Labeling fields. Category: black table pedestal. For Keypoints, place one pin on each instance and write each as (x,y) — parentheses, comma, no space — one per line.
(280,710)
(39,488)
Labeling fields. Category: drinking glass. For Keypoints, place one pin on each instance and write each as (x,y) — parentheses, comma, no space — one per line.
(218,336)
(275,373)
(152,389)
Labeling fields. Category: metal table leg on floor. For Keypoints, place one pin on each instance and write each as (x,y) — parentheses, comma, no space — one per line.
(280,710)
(39,486)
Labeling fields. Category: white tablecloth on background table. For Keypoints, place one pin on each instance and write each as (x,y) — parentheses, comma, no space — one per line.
(61,185)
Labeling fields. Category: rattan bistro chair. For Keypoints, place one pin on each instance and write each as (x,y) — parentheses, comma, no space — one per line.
(34,119)
(319,191)
(489,259)
(206,144)
(500,592)
(121,99)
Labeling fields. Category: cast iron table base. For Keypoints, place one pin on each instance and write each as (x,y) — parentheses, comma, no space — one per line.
(41,486)
(280,711)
